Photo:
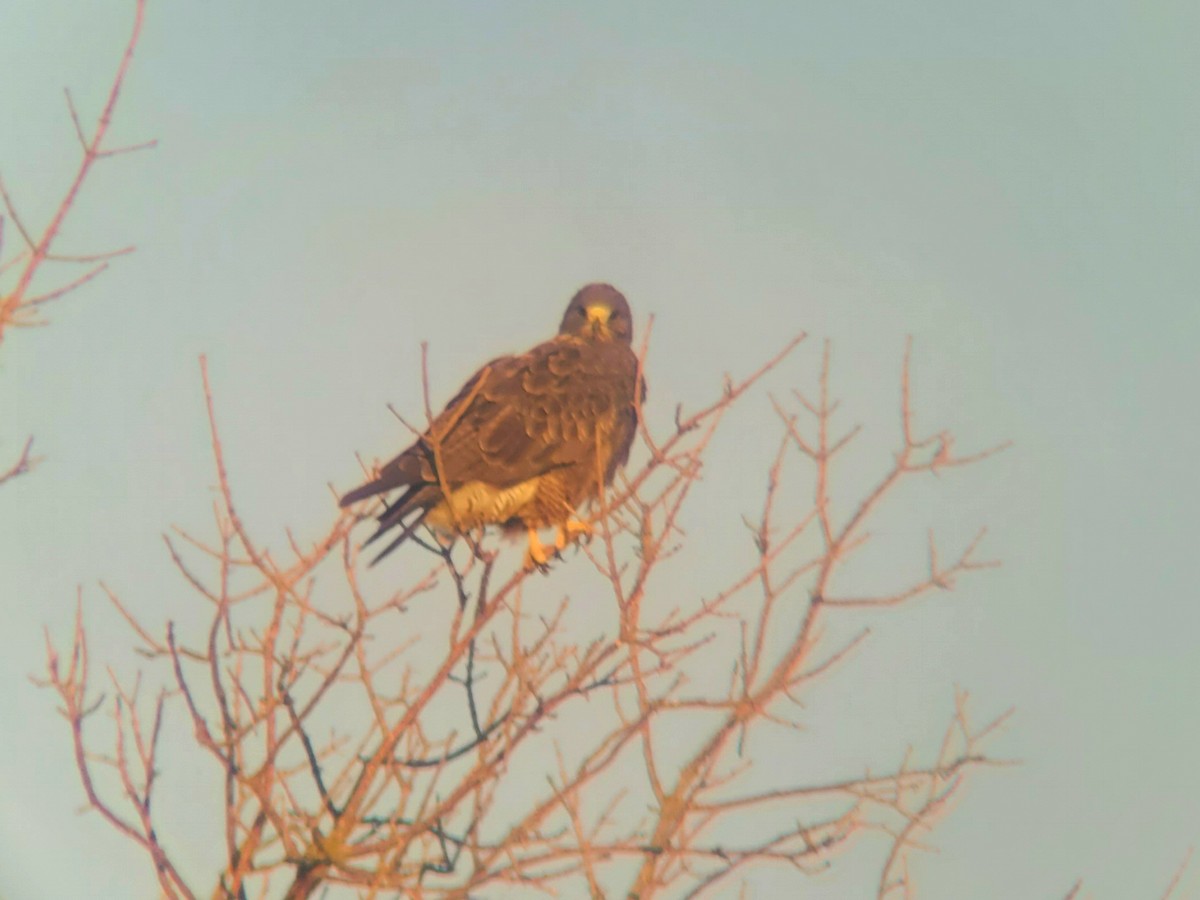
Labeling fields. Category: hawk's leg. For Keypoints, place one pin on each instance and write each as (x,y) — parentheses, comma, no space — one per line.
(570,531)
(537,556)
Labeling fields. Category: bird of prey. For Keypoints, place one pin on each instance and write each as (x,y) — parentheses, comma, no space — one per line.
(527,440)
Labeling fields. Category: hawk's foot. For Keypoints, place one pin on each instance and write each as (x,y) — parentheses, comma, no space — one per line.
(569,532)
(538,555)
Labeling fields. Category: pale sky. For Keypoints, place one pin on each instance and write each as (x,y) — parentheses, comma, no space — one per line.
(1016,185)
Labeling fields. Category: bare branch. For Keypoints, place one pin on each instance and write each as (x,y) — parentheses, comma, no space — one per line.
(1178,876)
(19,306)
(25,463)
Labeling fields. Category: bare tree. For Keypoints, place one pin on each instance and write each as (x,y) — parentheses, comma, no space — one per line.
(22,303)
(454,737)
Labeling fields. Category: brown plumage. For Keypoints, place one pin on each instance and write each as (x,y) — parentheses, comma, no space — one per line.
(528,439)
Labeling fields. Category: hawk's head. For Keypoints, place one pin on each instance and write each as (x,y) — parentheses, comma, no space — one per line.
(598,312)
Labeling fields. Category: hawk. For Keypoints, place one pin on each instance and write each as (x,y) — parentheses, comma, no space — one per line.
(528,438)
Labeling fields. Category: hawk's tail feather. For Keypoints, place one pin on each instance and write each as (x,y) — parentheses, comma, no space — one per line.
(391,517)
(401,472)
(370,489)
(403,536)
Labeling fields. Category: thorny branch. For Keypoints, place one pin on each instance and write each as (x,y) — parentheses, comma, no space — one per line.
(464,732)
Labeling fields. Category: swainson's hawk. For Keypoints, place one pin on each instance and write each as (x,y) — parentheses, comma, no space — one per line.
(528,439)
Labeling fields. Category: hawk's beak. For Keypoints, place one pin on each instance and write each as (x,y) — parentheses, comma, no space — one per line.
(598,317)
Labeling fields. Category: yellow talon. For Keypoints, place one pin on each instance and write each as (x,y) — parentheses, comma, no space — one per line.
(570,531)
(536,556)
